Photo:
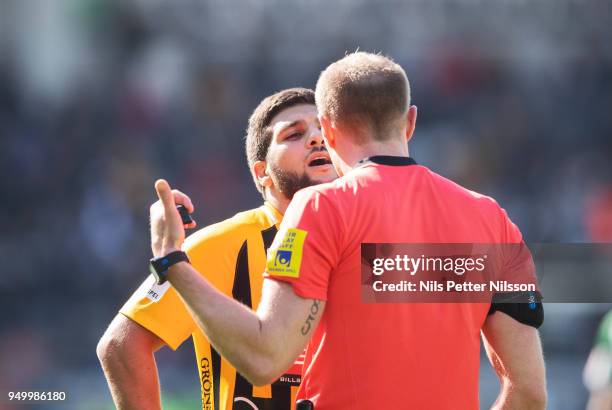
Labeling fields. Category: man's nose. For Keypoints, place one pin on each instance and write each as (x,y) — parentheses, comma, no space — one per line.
(315,138)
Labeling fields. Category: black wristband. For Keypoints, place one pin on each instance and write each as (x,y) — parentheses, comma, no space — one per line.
(159,266)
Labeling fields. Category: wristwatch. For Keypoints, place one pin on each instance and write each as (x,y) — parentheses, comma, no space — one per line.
(159,266)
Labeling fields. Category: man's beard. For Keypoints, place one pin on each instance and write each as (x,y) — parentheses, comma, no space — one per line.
(288,182)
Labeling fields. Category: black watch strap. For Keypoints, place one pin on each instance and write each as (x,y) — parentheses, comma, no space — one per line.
(159,266)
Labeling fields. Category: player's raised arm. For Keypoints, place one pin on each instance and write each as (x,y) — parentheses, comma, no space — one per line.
(261,345)
(126,354)
(515,352)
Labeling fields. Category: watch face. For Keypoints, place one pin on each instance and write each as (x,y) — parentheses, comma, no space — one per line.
(159,266)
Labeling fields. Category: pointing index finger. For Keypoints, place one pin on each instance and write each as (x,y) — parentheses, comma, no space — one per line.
(165,195)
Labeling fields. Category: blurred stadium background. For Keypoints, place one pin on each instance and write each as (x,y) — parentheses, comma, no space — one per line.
(100,97)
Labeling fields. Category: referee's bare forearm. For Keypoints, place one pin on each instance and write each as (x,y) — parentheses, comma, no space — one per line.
(232,328)
(261,345)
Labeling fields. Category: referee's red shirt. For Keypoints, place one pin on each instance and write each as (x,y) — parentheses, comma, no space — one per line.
(386,356)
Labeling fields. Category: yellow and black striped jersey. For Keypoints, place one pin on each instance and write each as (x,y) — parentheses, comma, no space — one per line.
(232,256)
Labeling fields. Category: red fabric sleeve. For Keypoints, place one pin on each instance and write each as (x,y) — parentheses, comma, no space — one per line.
(518,265)
(311,214)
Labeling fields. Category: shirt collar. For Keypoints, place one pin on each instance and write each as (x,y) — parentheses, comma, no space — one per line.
(387,160)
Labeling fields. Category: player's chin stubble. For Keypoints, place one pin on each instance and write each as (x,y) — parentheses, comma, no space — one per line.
(288,182)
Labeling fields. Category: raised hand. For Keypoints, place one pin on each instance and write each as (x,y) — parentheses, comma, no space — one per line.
(167,229)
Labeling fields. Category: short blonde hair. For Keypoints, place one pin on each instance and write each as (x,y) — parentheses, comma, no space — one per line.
(364,92)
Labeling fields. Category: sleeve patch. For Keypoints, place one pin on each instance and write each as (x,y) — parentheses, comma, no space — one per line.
(154,292)
(286,259)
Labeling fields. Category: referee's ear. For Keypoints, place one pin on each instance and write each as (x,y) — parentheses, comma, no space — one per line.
(261,174)
(328,131)
(411,121)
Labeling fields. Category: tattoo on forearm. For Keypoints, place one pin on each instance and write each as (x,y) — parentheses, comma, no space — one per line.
(314,310)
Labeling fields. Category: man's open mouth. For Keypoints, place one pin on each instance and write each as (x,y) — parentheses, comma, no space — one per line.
(319,159)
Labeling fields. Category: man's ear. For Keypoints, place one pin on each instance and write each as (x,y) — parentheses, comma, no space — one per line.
(411,121)
(328,130)
(260,172)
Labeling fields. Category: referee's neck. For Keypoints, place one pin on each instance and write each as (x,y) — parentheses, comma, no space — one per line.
(353,155)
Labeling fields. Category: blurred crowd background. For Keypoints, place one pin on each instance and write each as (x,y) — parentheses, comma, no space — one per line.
(98,98)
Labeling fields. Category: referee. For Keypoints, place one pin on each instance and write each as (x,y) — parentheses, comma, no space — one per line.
(369,356)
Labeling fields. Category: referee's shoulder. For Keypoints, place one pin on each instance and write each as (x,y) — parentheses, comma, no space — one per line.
(328,189)
(482,199)
(454,188)
(314,193)
(235,229)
